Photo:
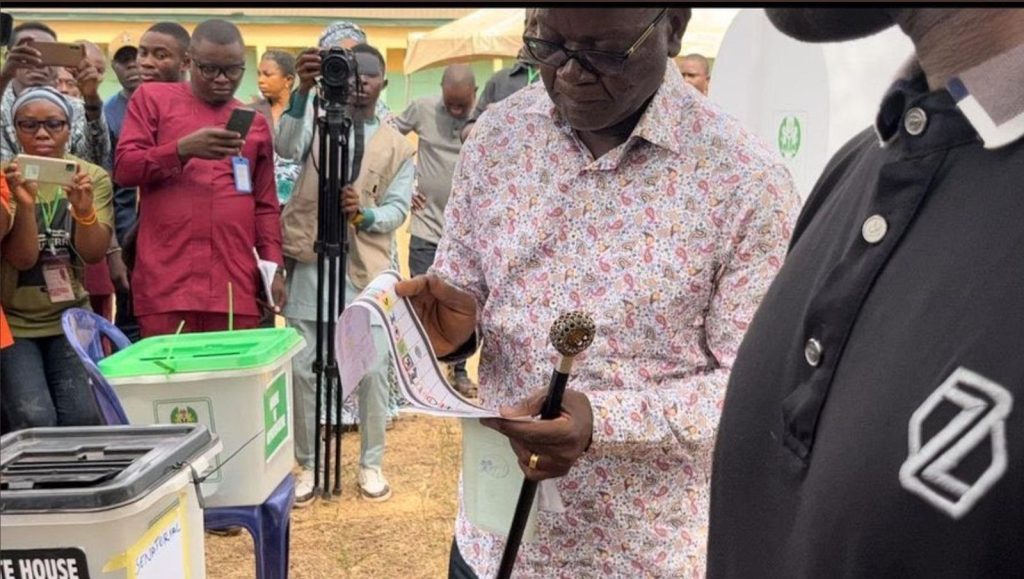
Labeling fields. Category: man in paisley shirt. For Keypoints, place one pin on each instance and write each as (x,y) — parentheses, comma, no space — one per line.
(615,188)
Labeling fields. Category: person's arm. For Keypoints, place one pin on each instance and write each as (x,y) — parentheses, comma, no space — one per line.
(8,145)
(295,128)
(90,209)
(139,159)
(125,210)
(449,296)
(408,121)
(92,143)
(485,100)
(393,208)
(268,213)
(18,228)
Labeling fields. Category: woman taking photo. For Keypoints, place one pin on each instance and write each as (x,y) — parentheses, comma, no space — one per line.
(43,383)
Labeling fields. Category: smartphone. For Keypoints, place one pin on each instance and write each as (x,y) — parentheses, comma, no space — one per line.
(47,169)
(60,53)
(6,25)
(240,121)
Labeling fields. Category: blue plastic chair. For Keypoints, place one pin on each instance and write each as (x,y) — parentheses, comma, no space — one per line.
(85,331)
(269,523)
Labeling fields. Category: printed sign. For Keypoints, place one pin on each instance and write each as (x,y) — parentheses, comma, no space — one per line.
(275,416)
(66,563)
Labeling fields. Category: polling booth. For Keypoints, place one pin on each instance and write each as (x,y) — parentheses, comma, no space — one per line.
(805,100)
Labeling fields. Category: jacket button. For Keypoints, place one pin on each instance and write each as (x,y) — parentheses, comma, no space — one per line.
(915,120)
(874,229)
(812,352)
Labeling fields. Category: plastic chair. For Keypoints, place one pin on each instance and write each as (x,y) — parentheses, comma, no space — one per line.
(269,524)
(85,332)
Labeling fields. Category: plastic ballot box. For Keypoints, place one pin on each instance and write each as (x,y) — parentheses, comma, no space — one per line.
(105,502)
(239,384)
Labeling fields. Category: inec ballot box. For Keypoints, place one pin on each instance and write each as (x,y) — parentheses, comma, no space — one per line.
(239,384)
(108,502)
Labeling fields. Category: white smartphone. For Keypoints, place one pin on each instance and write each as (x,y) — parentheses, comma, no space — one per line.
(47,169)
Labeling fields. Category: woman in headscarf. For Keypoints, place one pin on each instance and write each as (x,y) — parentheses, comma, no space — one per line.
(43,383)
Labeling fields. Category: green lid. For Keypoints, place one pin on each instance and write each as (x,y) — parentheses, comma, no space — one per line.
(201,352)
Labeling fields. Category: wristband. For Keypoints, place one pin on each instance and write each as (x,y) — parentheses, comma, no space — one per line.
(84,220)
(112,251)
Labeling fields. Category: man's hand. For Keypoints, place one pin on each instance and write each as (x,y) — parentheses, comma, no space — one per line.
(118,271)
(467,130)
(210,143)
(88,79)
(80,193)
(21,56)
(349,201)
(558,443)
(447,314)
(307,66)
(419,201)
(279,290)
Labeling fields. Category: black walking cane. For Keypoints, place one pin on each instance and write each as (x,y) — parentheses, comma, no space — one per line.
(571,333)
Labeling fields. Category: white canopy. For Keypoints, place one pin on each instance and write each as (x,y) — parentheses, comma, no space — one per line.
(498,32)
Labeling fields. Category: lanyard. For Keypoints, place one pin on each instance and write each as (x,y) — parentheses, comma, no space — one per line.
(531,74)
(49,209)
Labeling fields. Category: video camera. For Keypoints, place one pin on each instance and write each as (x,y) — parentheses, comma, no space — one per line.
(338,74)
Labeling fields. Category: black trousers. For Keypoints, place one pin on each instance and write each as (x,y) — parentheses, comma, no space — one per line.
(457,566)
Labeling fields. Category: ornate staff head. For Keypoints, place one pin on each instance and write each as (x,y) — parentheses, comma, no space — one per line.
(572,333)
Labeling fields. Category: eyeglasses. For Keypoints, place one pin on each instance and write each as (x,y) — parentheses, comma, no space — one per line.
(600,62)
(31,126)
(212,71)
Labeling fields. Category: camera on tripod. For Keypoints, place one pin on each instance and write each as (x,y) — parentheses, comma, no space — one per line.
(338,74)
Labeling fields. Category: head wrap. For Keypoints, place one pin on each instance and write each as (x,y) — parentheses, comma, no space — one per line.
(44,93)
(341,30)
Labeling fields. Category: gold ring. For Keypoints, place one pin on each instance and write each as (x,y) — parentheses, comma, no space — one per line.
(533,461)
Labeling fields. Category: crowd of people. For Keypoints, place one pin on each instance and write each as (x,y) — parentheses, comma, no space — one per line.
(594,174)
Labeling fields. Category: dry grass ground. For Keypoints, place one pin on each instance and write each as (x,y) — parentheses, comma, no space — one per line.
(407,536)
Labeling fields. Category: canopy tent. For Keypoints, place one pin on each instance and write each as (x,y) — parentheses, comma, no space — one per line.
(498,32)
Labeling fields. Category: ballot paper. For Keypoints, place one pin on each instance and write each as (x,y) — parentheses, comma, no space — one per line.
(421,380)
(267,271)
(491,476)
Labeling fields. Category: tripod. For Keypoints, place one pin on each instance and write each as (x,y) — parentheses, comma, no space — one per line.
(331,248)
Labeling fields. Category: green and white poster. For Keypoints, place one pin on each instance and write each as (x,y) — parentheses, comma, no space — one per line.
(275,416)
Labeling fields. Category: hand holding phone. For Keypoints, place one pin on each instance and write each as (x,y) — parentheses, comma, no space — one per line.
(209,143)
(49,170)
(60,53)
(240,121)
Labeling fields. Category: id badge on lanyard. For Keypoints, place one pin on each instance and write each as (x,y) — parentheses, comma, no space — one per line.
(243,177)
(57,275)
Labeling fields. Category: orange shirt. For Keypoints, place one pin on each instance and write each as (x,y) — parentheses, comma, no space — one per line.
(5,332)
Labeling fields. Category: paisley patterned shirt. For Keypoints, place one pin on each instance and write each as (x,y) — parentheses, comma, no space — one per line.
(669,241)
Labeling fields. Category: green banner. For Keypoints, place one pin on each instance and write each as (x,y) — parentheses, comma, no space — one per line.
(275,416)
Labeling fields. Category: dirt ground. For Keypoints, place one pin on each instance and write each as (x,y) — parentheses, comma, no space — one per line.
(406,536)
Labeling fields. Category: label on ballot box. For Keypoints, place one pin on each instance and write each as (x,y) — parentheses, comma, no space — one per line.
(43,564)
